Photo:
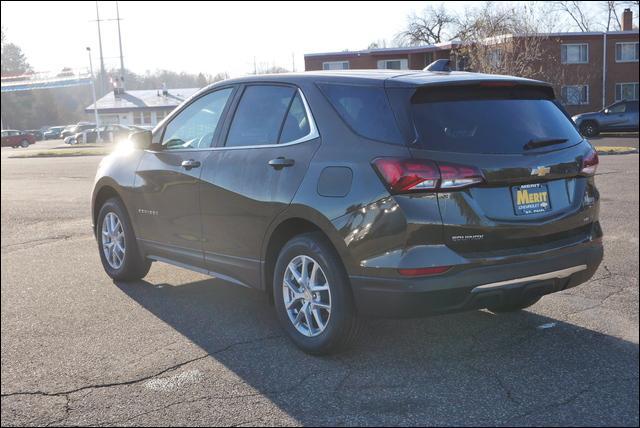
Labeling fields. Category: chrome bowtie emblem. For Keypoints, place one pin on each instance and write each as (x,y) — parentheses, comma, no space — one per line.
(541,171)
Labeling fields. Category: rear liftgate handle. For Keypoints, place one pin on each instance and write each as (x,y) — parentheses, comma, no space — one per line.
(281,162)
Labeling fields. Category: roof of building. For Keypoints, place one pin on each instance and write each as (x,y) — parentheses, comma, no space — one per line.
(147,99)
(454,43)
(384,51)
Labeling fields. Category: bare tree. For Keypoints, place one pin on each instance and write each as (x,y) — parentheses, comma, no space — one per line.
(431,27)
(576,11)
(511,40)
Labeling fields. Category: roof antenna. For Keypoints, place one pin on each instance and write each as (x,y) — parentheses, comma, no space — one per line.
(439,65)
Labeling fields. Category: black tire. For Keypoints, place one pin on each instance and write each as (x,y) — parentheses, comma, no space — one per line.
(24,144)
(516,306)
(343,324)
(589,128)
(135,266)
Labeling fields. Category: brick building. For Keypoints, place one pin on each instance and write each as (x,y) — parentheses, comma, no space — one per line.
(583,80)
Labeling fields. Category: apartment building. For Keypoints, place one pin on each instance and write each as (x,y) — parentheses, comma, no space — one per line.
(590,70)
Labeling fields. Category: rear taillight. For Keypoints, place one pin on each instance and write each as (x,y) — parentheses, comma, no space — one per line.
(459,176)
(412,175)
(590,163)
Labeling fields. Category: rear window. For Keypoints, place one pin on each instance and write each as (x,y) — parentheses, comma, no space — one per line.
(489,120)
(365,109)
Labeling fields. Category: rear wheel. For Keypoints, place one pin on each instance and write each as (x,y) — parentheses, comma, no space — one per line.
(589,129)
(515,306)
(24,144)
(117,244)
(312,296)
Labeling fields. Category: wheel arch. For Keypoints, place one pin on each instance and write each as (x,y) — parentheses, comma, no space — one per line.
(104,191)
(284,229)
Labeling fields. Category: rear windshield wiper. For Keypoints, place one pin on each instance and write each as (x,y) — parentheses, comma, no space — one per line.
(542,142)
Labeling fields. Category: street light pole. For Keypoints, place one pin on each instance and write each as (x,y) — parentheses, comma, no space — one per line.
(93,90)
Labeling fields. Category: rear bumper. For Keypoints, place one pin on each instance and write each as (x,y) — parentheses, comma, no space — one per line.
(477,285)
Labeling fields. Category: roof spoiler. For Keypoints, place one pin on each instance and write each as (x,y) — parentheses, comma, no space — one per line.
(439,65)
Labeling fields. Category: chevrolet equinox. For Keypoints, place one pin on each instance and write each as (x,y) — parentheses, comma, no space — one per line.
(356,194)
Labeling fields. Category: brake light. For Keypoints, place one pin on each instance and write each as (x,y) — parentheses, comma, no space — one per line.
(411,175)
(459,176)
(590,163)
(424,271)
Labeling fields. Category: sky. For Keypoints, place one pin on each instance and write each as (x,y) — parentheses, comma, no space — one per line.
(207,37)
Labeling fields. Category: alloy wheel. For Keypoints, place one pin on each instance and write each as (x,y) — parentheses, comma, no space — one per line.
(113,243)
(307,296)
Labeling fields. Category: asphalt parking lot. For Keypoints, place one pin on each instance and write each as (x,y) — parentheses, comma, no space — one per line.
(181,348)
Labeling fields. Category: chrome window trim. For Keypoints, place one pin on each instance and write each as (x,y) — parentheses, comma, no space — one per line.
(312,135)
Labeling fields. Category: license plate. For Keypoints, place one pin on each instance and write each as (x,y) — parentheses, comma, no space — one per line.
(531,199)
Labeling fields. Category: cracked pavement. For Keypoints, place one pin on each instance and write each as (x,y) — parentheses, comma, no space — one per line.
(183,349)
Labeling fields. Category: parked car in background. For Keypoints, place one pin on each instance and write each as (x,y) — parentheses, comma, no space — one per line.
(53,133)
(108,134)
(74,129)
(621,116)
(355,194)
(14,138)
(37,133)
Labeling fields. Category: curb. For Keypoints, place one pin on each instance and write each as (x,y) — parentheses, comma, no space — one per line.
(604,150)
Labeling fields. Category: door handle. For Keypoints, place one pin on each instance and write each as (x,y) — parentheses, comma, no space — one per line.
(281,162)
(191,163)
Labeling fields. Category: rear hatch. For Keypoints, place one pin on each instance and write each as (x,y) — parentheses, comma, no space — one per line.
(513,171)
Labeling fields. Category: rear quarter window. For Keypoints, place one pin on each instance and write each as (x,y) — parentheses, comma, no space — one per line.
(365,109)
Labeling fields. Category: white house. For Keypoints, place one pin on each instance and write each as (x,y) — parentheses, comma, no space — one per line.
(141,107)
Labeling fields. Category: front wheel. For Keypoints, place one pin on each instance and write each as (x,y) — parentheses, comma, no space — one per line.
(24,144)
(119,253)
(312,296)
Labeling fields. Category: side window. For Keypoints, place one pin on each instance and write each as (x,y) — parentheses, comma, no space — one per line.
(365,109)
(259,115)
(618,108)
(296,125)
(194,127)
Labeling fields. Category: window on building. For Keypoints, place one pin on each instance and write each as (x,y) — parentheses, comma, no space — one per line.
(429,57)
(159,116)
(627,91)
(577,53)
(575,95)
(627,52)
(335,65)
(146,117)
(393,64)
(137,118)
(495,57)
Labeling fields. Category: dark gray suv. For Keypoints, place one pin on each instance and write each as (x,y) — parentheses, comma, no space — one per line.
(357,194)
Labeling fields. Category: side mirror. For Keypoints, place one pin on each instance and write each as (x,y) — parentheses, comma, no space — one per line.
(141,140)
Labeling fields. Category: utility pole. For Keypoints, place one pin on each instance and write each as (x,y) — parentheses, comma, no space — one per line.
(103,73)
(120,42)
(93,90)
(293,61)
